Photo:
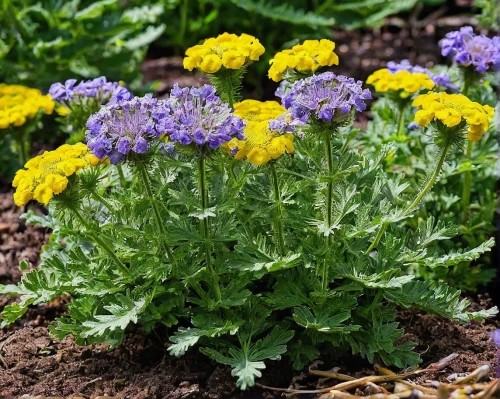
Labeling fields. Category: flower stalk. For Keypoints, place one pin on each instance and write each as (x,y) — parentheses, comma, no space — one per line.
(401,122)
(425,189)
(99,241)
(467,183)
(205,226)
(159,223)
(278,222)
(328,213)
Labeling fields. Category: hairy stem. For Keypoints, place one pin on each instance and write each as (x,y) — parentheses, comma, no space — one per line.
(329,206)
(99,198)
(100,242)
(467,184)
(419,196)
(278,223)
(159,223)
(123,182)
(401,122)
(205,227)
(23,153)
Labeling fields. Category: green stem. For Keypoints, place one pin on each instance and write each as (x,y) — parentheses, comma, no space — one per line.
(279,205)
(401,122)
(467,184)
(149,192)
(432,179)
(183,23)
(419,196)
(205,227)
(23,156)
(329,206)
(99,198)
(100,242)
(123,181)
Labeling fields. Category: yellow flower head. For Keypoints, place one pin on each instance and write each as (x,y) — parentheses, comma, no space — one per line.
(304,58)
(404,82)
(227,50)
(20,103)
(451,110)
(260,144)
(47,175)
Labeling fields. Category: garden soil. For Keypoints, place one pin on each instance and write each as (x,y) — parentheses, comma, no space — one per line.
(33,363)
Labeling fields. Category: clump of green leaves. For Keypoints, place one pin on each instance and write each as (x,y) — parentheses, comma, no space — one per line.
(43,42)
(271,304)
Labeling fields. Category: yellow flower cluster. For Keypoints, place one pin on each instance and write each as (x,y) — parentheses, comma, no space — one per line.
(19,103)
(304,58)
(227,50)
(260,144)
(451,110)
(47,174)
(384,80)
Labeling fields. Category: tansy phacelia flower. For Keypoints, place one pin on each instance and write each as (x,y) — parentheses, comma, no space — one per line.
(327,98)
(122,128)
(303,58)
(451,110)
(197,115)
(260,144)
(224,51)
(440,79)
(19,104)
(100,88)
(47,175)
(403,82)
(466,48)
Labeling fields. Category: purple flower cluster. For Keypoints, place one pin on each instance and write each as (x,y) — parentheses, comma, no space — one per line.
(441,79)
(467,48)
(197,115)
(122,127)
(99,87)
(324,97)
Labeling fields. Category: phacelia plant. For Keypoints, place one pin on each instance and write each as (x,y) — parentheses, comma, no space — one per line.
(260,233)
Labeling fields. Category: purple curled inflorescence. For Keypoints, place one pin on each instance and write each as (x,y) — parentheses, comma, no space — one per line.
(467,48)
(197,115)
(98,87)
(325,97)
(123,127)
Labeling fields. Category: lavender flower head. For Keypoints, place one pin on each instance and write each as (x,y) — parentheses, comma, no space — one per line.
(325,97)
(123,127)
(100,88)
(197,115)
(466,48)
(440,79)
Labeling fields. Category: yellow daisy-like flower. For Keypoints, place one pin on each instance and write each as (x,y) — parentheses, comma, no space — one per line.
(19,104)
(47,175)
(404,82)
(304,58)
(451,110)
(260,144)
(227,50)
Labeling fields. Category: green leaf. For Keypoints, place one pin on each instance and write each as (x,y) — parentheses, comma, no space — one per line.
(455,257)
(122,311)
(283,12)
(247,363)
(95,10)
(437,299)
(141,41)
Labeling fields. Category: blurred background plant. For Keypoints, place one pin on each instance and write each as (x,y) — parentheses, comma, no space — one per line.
(54,40)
